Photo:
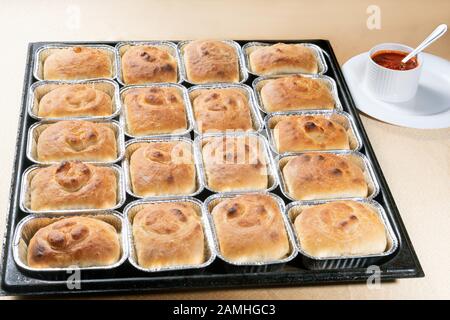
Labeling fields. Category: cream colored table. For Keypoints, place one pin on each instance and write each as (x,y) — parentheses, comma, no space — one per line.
(416,163)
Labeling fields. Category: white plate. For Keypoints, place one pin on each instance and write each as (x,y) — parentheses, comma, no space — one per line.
(429,109)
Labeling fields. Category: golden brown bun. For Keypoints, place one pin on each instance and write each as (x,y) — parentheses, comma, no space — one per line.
(144,64)
(75,101)
(75,241)
(323,176)
(154,110)
(283,58)
(168,234)
(235,164)
(250,228)
(211,61)
(298,133)
(295,93)
(77,140)
(163,168)
(340,228)
(218,110)
(77,63)
(73,185)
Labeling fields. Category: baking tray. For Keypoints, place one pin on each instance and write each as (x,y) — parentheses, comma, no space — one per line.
(125,279)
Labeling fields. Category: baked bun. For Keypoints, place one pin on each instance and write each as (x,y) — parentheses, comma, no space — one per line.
(250,228)
(340,228)
(154,110)
(75,100)
(235,164)
(283,58)
(295,93)
(75,241)
(77,140)
(163,168)
(77,63)
(168,234)
(73,185)
(323,176)
(145,64)
(209,61)
(299,133)
(219,110)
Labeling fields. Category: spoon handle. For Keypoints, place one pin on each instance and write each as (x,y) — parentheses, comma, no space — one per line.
(436,34)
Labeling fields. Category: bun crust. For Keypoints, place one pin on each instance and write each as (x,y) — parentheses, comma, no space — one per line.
(283,58)
(80,241)
(323,176)
(299,133)
(163,168)
(250,228)
(77,63)
(209,61)
(77,140)
(73,185)
(340,228)
(168,234)
(218,110)
(154,110)
(75,101)
(235,164)
(295,93)
(145,64)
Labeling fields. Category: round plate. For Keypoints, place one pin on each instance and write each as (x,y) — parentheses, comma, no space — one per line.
(429,109)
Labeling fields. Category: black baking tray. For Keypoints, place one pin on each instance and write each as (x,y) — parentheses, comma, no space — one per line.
(402,264)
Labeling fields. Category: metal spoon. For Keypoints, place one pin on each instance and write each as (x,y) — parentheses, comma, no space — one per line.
(436,34)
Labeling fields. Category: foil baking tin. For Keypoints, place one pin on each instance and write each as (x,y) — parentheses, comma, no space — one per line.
(133,145)
(255,114)
(293,209)
(36,129)
(272,176)
(256,266)
(43,52)
(243,74)
(249,46)
(341,117)
(29,225)
(39,89)
(31,171)
(357,157)
(258,83)
(187,107)
(168,46)
(133,208)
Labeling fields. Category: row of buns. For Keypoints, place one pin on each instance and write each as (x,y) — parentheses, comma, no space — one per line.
(197,62)
(104,141)
(170,108)
(242,229)
(179,167)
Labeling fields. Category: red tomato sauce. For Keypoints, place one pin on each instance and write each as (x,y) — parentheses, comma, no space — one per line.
(392,59)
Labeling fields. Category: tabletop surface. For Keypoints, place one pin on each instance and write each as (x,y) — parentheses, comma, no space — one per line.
(416,163)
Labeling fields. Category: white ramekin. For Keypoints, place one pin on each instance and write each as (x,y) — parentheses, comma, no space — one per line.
(392,85)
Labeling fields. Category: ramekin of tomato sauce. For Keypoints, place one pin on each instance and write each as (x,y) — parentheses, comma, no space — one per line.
(387,78)
(392,59)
